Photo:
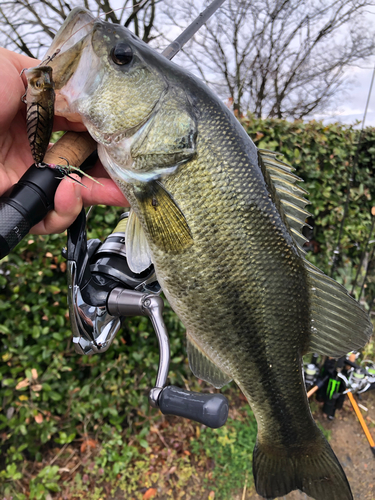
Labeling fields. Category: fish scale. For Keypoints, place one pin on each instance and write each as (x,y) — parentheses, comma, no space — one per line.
(221,221)
(248,251)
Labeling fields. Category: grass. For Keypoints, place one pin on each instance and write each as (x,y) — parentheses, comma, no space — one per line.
(161,458)
(230,449)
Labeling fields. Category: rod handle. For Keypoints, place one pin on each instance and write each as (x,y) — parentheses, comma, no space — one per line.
(29,201)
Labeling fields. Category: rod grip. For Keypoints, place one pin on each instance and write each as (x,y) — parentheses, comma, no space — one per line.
(29,201)
(208,409)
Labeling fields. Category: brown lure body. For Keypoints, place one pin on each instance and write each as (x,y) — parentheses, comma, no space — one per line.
(40,100)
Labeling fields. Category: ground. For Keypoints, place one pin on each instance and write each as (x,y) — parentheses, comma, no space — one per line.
(173,468)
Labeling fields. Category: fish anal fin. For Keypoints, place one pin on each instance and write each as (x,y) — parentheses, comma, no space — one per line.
(338,323)
(203,368)
(163,218)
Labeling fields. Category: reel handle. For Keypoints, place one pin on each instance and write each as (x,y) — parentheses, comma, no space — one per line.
(208,409)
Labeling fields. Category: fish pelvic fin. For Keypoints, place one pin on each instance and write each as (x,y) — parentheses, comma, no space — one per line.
(315,471)
(203,367)
(137,249)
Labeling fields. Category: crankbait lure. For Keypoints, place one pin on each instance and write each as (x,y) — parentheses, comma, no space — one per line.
(40,100)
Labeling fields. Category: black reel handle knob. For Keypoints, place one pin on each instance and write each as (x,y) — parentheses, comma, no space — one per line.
(208,409)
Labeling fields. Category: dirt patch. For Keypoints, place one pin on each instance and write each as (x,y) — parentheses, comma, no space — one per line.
(351,447)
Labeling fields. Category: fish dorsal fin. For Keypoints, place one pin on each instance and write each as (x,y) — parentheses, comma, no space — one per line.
(137,250)
(338,323)
(203,368)
(290,198)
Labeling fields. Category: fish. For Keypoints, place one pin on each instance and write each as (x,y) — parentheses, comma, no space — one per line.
(40,100)
(222,223)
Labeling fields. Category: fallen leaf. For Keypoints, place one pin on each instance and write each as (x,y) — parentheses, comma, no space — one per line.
(211,496)
(150,493)
(24,383)
(34,373)
(38,418)
(88,443)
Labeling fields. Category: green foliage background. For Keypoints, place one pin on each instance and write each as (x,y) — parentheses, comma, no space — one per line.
(64,396)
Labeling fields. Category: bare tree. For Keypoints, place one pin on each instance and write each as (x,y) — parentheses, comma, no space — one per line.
(28,26)
(278,58)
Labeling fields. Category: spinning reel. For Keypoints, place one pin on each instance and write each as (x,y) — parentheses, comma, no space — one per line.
(103,290)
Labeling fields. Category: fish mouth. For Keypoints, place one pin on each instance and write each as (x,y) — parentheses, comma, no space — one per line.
(76,26)
(64,56)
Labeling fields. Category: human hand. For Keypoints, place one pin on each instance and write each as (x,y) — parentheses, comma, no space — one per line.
(16,158)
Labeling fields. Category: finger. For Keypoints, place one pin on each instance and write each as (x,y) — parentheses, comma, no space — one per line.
(105,193)
(68,204)
(60,123)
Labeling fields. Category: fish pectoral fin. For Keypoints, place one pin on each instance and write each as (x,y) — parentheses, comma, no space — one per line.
(338,323)
(138,253)
(203,368)
(165,222)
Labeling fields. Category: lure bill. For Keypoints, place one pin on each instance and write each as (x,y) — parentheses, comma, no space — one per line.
(40,100)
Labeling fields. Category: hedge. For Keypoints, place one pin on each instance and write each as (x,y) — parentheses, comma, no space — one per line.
(50,395)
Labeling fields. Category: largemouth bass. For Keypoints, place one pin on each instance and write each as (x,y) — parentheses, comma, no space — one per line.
(221,221)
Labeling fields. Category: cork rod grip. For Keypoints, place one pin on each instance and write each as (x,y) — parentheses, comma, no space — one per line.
(74,146)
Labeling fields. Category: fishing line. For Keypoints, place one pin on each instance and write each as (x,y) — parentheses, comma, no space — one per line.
(363,254)
(367,269)
(336,252)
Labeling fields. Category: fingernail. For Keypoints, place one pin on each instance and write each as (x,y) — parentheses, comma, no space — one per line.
(77,190)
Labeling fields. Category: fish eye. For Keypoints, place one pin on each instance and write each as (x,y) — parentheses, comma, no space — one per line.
(122,54)
(37,84)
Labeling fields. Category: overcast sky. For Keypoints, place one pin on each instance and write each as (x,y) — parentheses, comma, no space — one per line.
(352,108)
(349,108)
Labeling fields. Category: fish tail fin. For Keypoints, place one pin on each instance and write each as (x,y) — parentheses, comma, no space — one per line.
(314,470)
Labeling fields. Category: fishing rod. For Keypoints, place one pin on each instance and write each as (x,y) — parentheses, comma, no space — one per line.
(363,254)
(336,252)
(30,200)
(190,31)
(337,378)
(101,287)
